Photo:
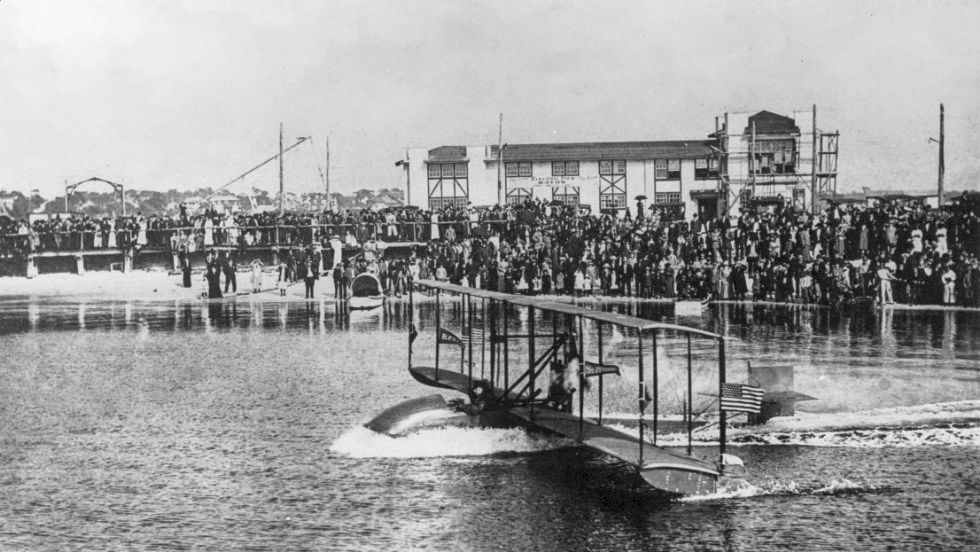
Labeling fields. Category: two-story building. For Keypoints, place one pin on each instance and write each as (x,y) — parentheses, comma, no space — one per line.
(758,160)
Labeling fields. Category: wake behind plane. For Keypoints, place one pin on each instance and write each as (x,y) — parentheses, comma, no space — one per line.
(540,392)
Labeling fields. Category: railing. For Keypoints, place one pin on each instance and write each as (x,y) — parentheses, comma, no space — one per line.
(280,235)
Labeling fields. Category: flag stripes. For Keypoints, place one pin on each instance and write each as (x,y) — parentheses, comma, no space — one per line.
(738,397)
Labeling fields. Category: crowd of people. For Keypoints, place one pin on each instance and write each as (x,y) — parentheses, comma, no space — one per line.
(198,232)
(888,253)
(891,252)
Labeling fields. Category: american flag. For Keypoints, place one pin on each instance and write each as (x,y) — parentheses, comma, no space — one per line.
(737,397)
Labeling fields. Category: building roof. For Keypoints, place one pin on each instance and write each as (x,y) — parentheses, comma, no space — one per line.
(447,153)
(596,151)
(767,122)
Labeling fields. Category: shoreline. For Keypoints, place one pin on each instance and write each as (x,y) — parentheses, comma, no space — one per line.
(163,286)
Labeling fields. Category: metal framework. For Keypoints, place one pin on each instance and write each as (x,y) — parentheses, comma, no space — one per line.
(826,166)
(118,188)
(520,397)
(752,190)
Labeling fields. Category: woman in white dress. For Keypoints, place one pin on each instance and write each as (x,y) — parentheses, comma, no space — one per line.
(256,268)
(917,241)
(949,286)
(112,232)
(579,281)
(941,246)
(208,232)
(435,225)
(141,236)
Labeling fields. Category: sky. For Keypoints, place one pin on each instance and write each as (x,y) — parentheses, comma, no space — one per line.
(180,94)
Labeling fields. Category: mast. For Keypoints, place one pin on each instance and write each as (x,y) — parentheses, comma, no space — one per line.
(327,174)
(942,151)
(500,160)
(282,187)
(813,165)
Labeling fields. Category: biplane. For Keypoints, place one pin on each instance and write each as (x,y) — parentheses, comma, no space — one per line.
(513,391)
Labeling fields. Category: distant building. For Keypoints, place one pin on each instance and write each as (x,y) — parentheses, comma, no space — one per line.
(7,200)
(870,197)
(769,166)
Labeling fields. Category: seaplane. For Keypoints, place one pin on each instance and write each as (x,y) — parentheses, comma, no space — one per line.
(510,391)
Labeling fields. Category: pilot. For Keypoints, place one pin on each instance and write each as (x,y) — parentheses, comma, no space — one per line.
(559,394)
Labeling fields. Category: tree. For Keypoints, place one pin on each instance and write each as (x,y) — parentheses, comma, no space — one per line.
(363,195)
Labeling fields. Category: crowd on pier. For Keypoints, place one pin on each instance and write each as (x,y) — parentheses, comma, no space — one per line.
(891,252)
(888,253)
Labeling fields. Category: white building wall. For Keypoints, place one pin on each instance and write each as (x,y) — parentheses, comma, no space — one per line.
(417,194)
(482,176)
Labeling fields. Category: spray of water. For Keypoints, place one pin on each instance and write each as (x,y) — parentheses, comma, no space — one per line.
(360,442)
(739,488)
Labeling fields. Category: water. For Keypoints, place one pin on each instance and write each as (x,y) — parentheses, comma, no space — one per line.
(236,426)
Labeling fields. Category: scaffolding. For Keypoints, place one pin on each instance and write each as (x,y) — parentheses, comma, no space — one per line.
(754,188)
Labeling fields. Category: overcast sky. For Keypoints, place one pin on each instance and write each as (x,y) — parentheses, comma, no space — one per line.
(181,94)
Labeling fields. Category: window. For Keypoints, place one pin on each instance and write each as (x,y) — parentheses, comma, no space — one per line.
(667,197)
(568,195)
(774,157)
(612,201)
(612,167)
(660,169)
(518,169)
(705,169)
(448,185)
(673,169)
(436,203)
(612,184)
(564,168)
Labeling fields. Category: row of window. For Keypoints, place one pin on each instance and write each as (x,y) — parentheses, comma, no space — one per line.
(569,196)
(773,163)
(664,169)
(447,170)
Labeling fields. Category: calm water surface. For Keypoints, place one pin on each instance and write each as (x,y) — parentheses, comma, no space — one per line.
(235,426)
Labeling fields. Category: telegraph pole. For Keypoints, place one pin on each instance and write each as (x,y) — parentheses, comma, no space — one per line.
(942,150)
(327,174)
(500,160)
(282,187)
(813,166)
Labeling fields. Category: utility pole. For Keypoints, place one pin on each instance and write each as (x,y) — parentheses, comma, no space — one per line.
(408,179)
(942,150)
(813,166)
(726,178)
(281,182)
(327,174)
(500,160)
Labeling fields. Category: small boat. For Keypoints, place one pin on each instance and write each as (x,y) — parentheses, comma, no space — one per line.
(366,292)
